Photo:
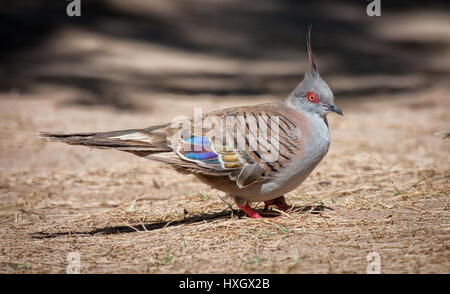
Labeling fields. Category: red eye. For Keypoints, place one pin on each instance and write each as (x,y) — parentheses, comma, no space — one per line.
(312,97)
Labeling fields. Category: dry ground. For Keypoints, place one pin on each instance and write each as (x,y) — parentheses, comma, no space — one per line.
(386,179)
(384,186)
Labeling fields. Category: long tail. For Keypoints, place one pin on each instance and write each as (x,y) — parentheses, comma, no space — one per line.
(141,142)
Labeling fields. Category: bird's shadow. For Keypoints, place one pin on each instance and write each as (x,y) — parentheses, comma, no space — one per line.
(313,209)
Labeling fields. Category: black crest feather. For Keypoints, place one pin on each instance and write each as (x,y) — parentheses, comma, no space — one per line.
(312,66)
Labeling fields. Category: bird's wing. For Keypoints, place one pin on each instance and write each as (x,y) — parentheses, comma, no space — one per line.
(249,144)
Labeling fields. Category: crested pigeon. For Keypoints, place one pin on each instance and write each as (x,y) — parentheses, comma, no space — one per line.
(253,153)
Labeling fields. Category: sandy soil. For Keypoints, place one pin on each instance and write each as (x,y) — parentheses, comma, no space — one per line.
(384,186)
(386,179)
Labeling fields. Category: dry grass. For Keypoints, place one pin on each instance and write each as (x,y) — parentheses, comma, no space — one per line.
(385,180)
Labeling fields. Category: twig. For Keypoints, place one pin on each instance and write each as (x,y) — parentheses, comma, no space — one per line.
(282,212)
(387,174)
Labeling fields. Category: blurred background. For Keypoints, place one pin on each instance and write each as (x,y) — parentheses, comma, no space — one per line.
(119,52)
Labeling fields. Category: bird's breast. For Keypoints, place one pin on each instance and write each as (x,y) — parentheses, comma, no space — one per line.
(314,143)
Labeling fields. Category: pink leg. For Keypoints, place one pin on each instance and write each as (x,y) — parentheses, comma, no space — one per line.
(248,210)
(267,204)
(279,202)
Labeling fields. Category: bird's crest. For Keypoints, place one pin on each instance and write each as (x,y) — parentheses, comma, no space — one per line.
(312,66)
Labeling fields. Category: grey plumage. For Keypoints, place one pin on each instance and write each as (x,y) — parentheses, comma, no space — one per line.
(240,157)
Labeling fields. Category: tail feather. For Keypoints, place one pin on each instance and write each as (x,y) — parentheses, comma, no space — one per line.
(138,141)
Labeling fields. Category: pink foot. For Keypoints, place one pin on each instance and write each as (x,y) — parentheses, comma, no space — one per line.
(249,211)
(279,202)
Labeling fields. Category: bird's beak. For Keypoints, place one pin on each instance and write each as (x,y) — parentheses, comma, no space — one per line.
(335,108)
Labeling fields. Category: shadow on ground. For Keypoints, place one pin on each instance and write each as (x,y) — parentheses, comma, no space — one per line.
(313,209)
(246,31)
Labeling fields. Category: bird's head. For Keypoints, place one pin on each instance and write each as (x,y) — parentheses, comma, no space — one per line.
(313,94)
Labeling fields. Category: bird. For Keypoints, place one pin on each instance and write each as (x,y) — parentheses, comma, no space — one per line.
(254,153)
